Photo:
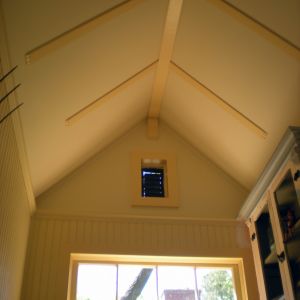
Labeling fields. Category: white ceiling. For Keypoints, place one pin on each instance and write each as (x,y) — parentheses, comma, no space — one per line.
(257,78)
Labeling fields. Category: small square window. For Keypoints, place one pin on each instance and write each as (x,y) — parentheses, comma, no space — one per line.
(154,179)
(153,182)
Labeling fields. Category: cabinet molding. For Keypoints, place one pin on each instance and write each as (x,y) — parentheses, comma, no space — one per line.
(272,213)
(288,148)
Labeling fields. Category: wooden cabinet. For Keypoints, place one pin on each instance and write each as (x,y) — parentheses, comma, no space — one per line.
(275,233)
(274,225)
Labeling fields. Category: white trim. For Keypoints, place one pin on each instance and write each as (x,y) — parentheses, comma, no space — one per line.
(262,30)
(93,216)
(212,96)
(109,95)
(77,31)
(279,158)
(234,263)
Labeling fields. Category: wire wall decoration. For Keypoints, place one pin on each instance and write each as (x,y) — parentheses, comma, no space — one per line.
(5,97)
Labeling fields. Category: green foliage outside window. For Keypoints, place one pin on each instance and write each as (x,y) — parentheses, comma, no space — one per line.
(218,285)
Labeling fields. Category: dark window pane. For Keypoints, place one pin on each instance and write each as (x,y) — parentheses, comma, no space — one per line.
(153,182)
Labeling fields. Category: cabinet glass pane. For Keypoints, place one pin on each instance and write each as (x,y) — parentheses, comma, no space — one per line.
(268,254)
(289,214)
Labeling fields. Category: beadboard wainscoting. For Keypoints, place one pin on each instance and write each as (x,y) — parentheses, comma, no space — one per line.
(14,209)
(54,237)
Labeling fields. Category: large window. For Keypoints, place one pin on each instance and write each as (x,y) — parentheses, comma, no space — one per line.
(141,279)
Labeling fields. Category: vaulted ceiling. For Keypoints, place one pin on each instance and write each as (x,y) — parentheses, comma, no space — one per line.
(223,74)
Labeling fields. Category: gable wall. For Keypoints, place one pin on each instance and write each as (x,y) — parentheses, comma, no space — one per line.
(89,211)
(103,184)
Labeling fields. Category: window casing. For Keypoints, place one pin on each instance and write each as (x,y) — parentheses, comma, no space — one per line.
(156,275)
(154,179)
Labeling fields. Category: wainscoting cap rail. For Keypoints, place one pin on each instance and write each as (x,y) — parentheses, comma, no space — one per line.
(92,216)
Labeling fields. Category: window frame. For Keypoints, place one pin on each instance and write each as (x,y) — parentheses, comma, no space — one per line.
(170,179)
(235,264)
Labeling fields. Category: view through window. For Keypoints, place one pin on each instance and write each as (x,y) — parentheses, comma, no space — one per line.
(99,281)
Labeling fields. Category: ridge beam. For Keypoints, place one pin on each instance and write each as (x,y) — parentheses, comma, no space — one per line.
(167,44)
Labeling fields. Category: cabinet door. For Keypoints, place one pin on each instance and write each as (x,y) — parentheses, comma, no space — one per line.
(286,208)
(257,262)
(268,269)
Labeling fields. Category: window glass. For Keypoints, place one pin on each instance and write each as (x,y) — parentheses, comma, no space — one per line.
(215,284)
(96,282)
(176,282)
(153,182)
(136,282)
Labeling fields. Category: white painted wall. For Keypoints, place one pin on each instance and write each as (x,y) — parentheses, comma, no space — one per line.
(54,237)
(102,185)
(90,211)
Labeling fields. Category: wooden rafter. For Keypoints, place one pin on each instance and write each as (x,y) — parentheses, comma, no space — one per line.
(170,29)
(219,101)
(96,103)
(68,36)
(265,32)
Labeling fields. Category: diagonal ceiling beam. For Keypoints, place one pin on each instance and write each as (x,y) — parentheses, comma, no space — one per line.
(219,101)
(98,102)
(168,39)
(74,33)
(265,32)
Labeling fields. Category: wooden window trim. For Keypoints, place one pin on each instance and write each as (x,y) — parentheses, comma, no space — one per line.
(171,185)
(235,264)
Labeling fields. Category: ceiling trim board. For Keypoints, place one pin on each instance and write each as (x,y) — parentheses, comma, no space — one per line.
(167,44)
(219,101)
(285,150)
(77,31)
(99,101)
(259,28)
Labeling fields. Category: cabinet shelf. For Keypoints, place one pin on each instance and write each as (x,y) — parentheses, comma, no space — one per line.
(292,249)
(279,298)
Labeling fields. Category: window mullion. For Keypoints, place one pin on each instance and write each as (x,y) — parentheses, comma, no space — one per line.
(156,269)
(117,283)
(196,283)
